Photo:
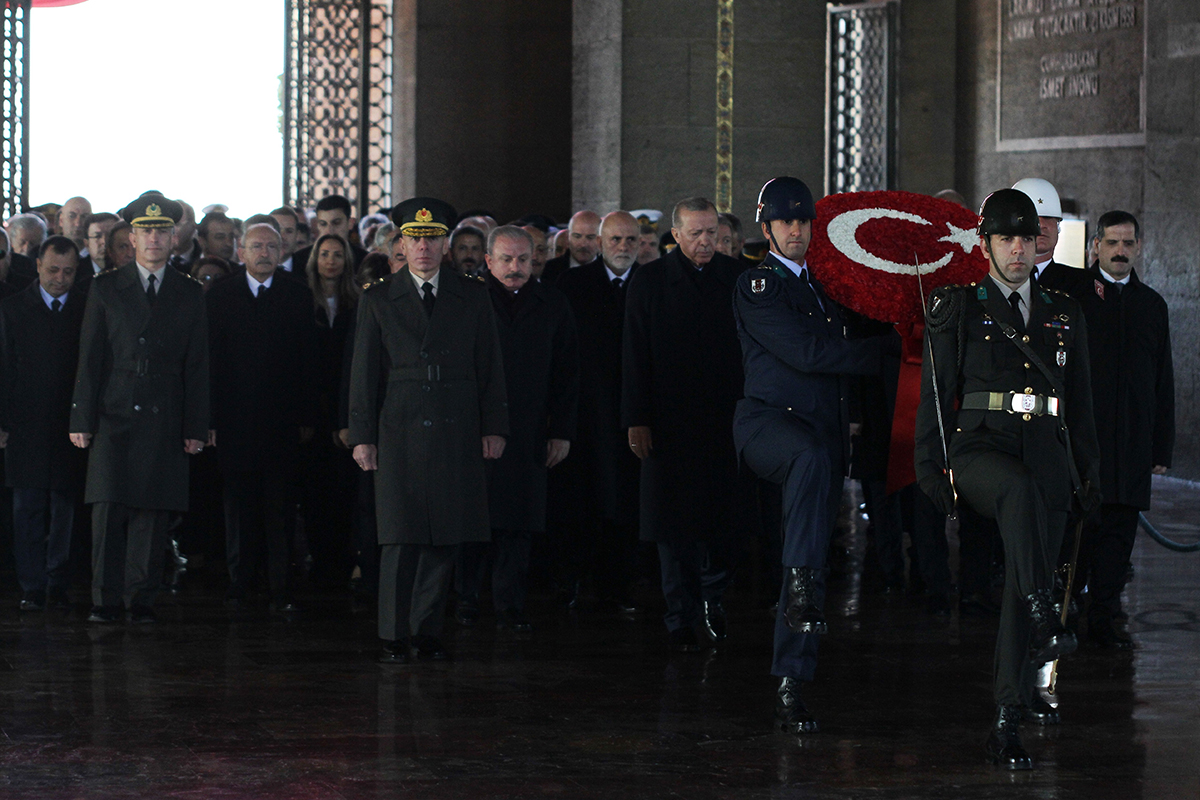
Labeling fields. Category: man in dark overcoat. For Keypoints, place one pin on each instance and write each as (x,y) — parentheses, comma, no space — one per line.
(793,426)
(600,480)
(262,344)
(541,371)
(39,351)
(1133,394)
(141,404)
(432,333)
(1008,426)
(682,371)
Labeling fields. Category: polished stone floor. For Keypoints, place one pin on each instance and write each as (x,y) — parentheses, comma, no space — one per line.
(213,704)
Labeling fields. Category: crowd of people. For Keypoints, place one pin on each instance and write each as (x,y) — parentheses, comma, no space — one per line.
(420,399)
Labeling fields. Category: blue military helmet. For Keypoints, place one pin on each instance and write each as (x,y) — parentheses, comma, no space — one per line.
(1008,212)
(785,198)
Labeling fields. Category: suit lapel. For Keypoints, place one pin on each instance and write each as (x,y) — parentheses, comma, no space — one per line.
(446,309)
(133,296)
(402,293)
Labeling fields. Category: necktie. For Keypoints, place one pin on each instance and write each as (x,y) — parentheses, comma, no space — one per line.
(1014,300)
(618,284)
(427,297)
(811,288)
(150,293)
(262,289)
(55,305)
(1119,287)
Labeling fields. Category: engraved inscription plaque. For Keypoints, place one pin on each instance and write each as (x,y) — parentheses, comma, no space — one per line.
(1070,74)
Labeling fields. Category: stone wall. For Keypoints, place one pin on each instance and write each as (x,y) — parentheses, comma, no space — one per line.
(483,104)
(1156,182)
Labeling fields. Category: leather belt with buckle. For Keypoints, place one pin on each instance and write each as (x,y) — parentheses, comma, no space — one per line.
(1012,402)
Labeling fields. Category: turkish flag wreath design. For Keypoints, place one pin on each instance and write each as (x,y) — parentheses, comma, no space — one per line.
(866,249)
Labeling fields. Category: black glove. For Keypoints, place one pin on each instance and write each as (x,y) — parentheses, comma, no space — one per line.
(1089,500)
(938,489)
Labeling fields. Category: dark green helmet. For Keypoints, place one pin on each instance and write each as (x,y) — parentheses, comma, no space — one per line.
(1008,212)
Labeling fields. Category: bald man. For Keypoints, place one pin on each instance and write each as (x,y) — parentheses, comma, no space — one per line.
(73,221)
(583,242)
(597,488)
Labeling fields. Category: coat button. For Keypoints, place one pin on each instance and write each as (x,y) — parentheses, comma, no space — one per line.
(137,408)
(141,340)
(424,354)
(1028,390)
(987,338)
(425,386)
(427,423)
(1025,339)
(154,409)
(1026,417)
(1027,365)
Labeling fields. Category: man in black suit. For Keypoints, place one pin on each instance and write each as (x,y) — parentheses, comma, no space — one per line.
(583,242)
(682,377)
(141,404)
(262,346)
(541,370)
(185,248)
(218,236)
(39,350)
(335,216)
(597,488)
(96,260)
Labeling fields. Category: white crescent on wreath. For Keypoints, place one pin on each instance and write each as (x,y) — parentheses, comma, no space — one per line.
(842,231)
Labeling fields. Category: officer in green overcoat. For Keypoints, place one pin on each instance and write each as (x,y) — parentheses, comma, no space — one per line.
(427,407)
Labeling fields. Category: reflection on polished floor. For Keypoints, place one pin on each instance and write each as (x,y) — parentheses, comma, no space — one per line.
(213,704)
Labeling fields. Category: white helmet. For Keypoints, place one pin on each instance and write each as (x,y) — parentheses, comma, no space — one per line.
(1043,194)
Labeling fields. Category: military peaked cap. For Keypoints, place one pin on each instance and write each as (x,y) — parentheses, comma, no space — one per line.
(424,216)
(152,210)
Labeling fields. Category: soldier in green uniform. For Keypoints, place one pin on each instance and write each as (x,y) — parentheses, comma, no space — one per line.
(1008,427)
(427,406)
(141,404)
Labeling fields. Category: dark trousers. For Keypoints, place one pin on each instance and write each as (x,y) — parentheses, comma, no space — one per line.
(366,535)
(1002,487)
(254,522)
(1104,557)
(692,572)
(414,580)
(42,523)
(128,549)
(614,557)
(884,511)
(508,555)
(786,450)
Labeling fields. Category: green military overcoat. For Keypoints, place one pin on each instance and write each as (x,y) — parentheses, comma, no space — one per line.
(425,389)
(141,387)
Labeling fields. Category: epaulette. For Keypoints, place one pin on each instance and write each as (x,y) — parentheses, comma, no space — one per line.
(776,267)
(107,271)
(193,279)
(476,278)
(371,284)
(1055,291)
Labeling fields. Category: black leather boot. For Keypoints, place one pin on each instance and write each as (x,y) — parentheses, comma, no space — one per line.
(1039,711)
(791,716)
(802,613)
(1049,638)
(1003,747)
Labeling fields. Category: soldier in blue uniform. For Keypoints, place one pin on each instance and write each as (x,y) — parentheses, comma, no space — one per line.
(792,427)
(1008,425)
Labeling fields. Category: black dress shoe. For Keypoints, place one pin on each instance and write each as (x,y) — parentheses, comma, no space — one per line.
(286,607)
(1049,638)
(513,620)
(791,715)
(429,648)
(394,652)
(142,615)
(467,613)
(32,601)
(622,607)
(803,615)
(57,599)
(714,620)
(1003,747)
(1039,711)
(104,614)
(1107,636)
(683,640)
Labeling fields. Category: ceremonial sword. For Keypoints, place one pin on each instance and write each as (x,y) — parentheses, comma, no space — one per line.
(937,399)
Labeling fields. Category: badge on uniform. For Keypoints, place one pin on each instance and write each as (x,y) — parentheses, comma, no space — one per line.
(758,285)
(1100,290)
(1060,358)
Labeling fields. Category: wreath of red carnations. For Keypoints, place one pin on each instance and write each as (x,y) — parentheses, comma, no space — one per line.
(866,247)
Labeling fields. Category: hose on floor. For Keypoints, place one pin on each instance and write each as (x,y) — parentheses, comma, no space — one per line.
(1164,541)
